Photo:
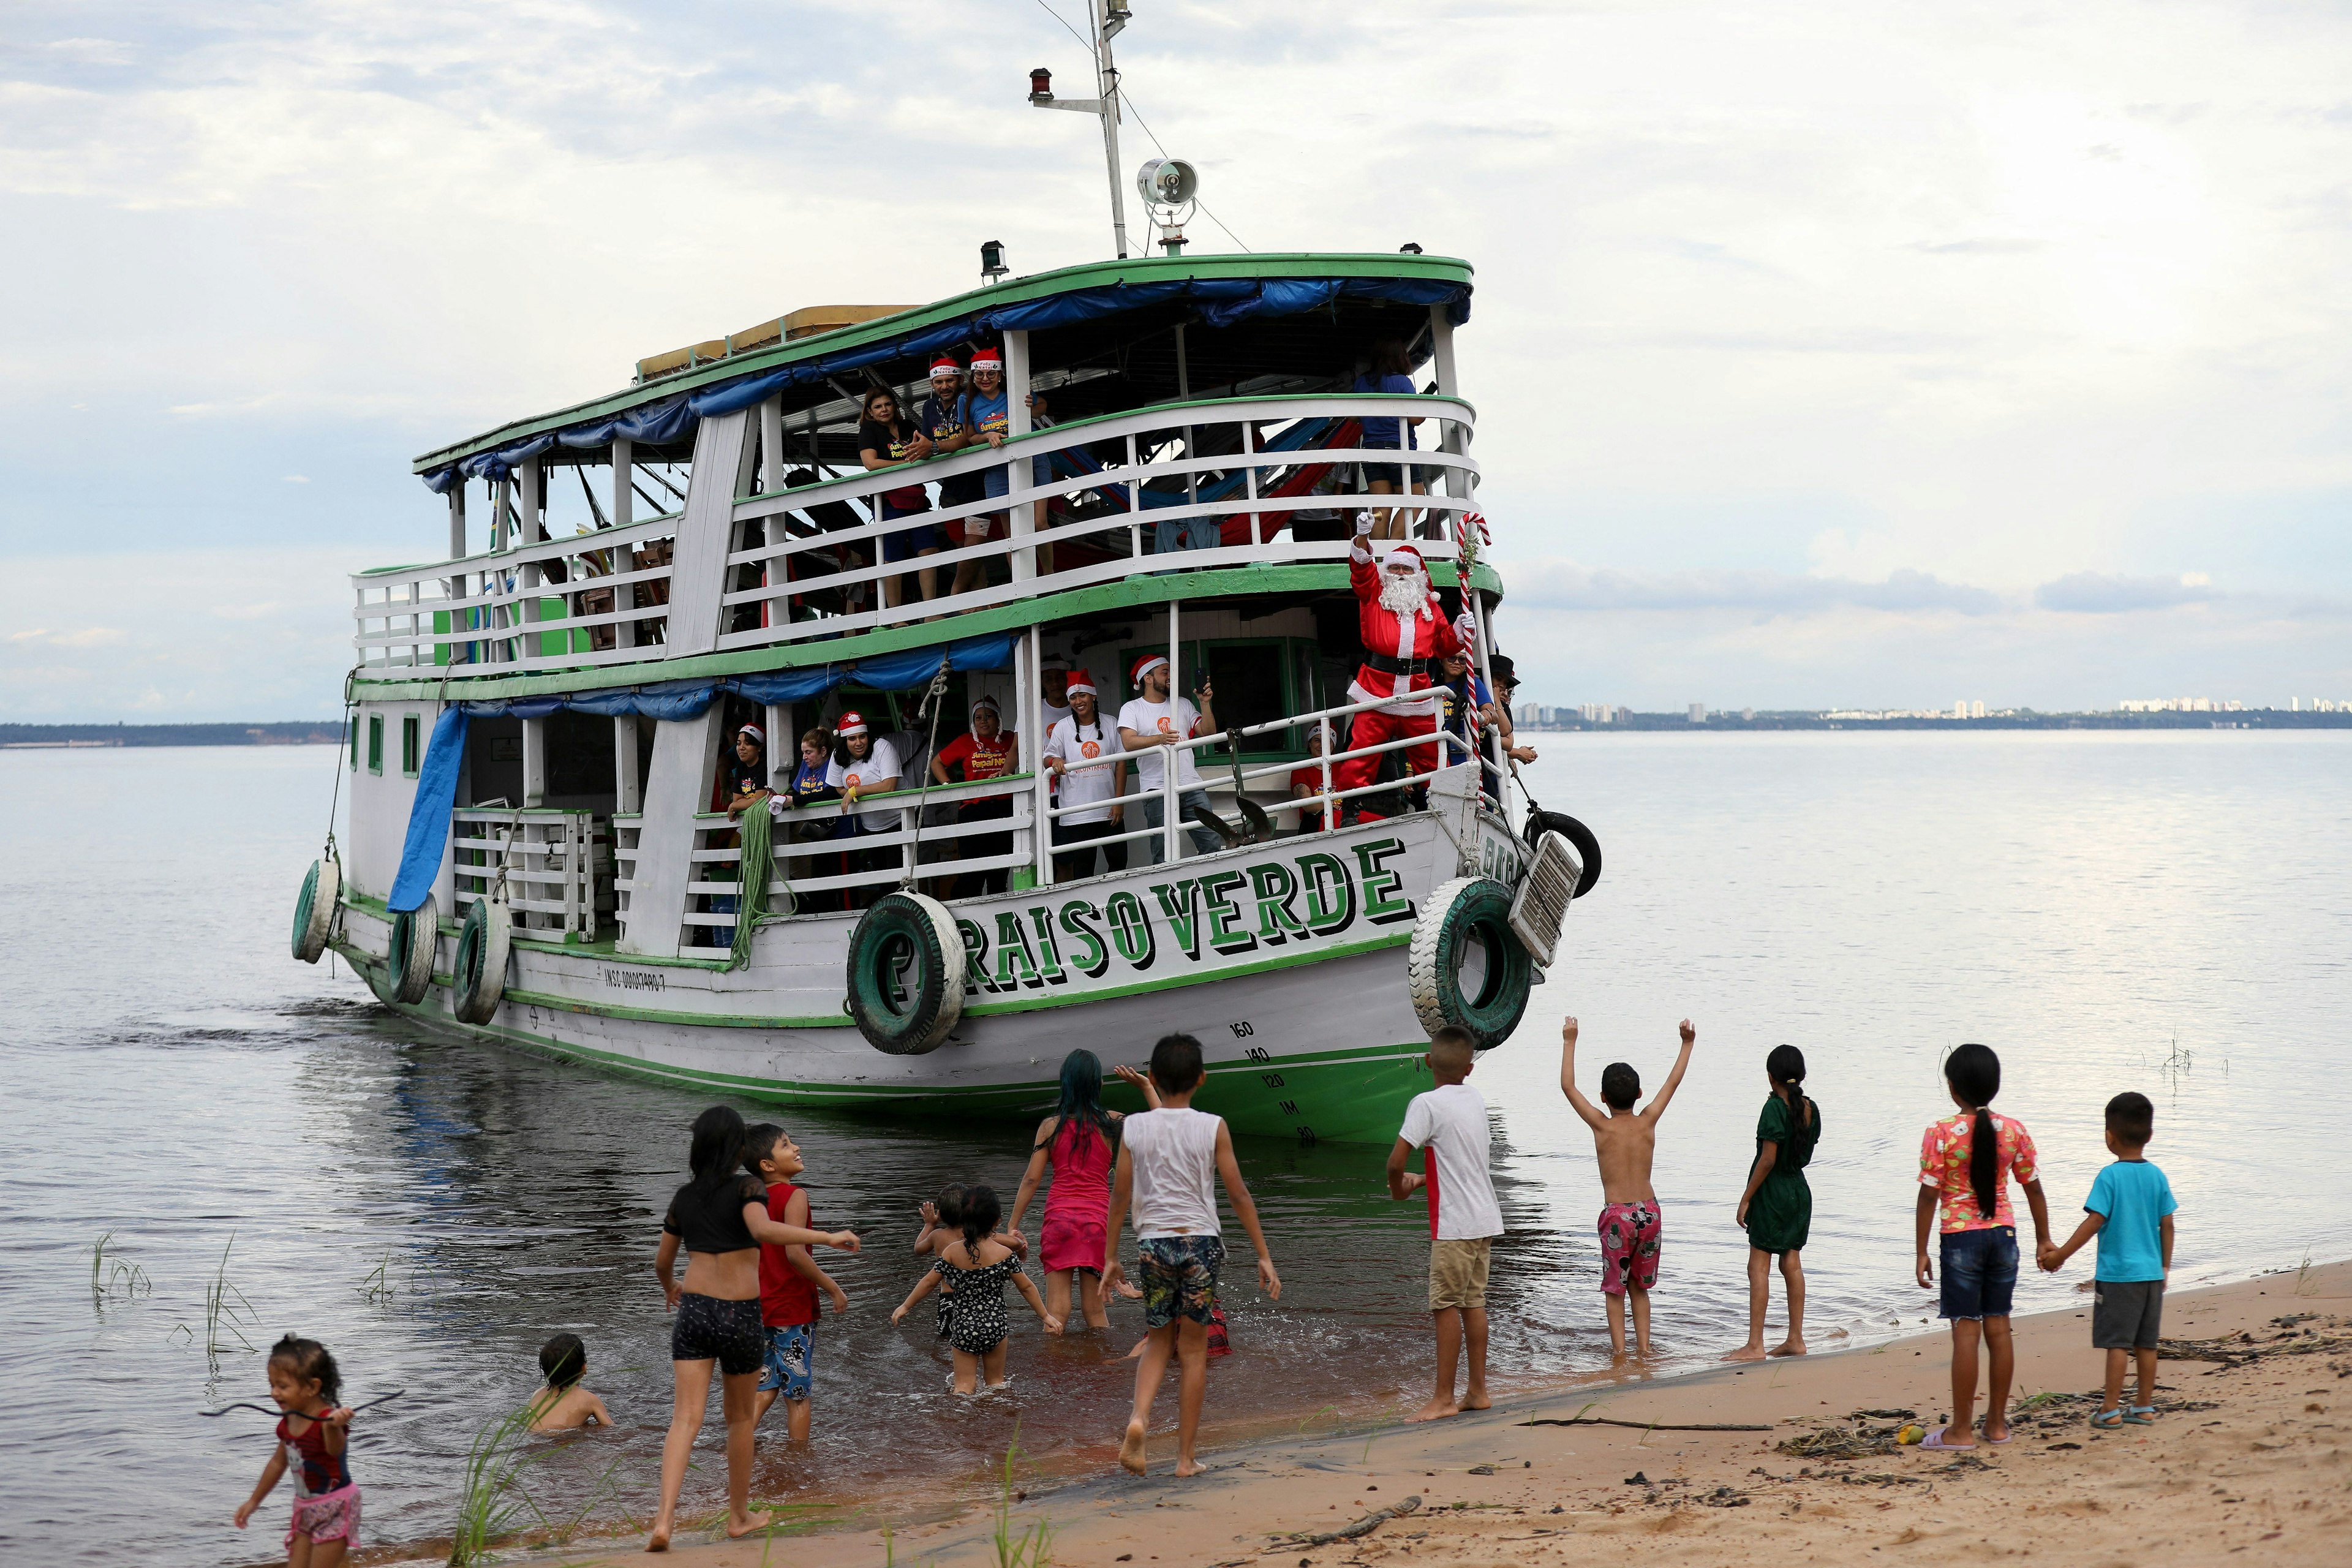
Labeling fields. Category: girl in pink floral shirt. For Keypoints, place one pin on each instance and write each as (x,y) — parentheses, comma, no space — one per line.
(1965,1164)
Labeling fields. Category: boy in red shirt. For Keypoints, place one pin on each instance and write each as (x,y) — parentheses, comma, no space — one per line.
(789,1281)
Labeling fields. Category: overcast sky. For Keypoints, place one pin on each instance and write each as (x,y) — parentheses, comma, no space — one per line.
(1825,353)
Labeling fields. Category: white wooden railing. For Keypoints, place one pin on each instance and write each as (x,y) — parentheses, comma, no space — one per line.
(496,614)
(559,866)
(490,614)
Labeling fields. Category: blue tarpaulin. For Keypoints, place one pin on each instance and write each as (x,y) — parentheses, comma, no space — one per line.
(428,818)
(1223,301)
(686,699)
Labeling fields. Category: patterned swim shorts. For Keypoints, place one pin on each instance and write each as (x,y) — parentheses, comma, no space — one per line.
(330,1516)
(791,1362)
(1630,1235)
(1180,1278)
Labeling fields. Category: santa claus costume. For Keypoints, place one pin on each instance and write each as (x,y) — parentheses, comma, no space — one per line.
(1404,633)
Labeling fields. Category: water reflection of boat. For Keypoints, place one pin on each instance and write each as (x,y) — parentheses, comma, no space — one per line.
(538,727)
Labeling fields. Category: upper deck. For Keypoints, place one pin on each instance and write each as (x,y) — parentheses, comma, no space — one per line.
(719,520)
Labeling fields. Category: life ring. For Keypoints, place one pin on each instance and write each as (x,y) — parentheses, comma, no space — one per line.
(415,934)
(905,974)
(1579,839)
(314,907)
(1463,922)
(477,976)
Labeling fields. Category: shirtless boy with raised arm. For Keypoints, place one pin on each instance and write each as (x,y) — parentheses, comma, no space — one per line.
(1623,1140)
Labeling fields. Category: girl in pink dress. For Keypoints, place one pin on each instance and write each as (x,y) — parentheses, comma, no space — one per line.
(1077,1140)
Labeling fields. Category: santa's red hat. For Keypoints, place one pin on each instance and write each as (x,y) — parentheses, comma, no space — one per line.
(1144,666)
(991,358)
(946,365)
(1402,555)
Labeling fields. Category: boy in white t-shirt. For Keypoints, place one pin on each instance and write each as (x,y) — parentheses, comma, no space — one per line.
(1169,1160)
(1450,1122)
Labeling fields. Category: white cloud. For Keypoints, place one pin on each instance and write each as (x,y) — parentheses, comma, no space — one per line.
(1906,318)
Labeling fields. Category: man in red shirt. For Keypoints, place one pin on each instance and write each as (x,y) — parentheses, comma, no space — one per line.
(1404,633)
(984,752)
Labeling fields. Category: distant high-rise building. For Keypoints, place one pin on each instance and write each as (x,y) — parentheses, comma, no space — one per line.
(1960,709)
(1698,712)
(1976,709)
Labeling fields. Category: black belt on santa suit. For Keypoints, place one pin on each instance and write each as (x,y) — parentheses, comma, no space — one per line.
(1388,666)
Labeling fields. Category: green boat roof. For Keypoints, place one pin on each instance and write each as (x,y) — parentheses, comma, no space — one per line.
(1015,290)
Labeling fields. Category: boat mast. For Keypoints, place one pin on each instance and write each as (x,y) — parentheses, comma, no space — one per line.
(1106,17)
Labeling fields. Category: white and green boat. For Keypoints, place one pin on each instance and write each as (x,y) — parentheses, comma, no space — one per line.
(540,722)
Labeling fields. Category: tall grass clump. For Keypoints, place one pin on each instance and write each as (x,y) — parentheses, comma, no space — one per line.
(1034,1547)
(114,1277)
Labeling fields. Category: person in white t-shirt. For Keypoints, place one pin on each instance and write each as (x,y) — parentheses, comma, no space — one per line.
(865,765)
(1054,676)
(1152,720)
(1169,1159)
(1089,795)
(1450,1122)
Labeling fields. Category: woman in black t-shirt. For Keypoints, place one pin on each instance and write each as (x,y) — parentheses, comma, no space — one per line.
(720,1218)
(886,441)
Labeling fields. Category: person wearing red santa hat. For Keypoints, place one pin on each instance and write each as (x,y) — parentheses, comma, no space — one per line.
(1404,633)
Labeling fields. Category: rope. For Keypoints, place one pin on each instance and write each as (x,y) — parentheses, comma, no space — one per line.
(265,1410)
(931,700)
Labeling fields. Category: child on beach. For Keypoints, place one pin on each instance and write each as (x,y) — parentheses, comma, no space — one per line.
(788,1282)
(1965,1164)
(1777,1210)
(311,1438)
(1623,1142)
(943,1224)
(2130,1211)
(1169,1161)
(565,1402)
(1450,1122)
(975,1265)
(1077,1138)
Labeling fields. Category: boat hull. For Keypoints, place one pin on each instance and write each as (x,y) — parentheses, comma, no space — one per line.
(1308,1030)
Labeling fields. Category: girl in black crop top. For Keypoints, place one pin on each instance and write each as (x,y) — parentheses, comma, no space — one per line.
(721,1220)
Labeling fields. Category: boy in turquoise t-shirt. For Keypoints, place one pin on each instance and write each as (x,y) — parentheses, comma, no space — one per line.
(2130,1211)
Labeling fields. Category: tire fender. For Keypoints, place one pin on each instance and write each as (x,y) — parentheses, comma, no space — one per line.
(1455,915)
(1579,839)
(478,973)
(415,937)
(905,984)
(314,907)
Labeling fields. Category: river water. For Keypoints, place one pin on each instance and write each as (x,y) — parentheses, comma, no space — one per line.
(2167,912)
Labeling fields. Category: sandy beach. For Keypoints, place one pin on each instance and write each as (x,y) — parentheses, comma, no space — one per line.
(2249,1454)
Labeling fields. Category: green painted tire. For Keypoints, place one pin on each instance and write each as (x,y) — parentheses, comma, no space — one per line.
(1466,967)
(415,933)
(314,909)
(477,976)
(905,974)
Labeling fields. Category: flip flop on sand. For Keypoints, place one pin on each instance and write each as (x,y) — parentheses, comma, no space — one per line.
(2139,1414)
(1996,1442)
(2108,1420)
(1933,1442)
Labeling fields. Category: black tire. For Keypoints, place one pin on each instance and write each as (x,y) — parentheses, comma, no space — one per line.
(905,974)
(1459,918)
(415,933)
(1579,839)
(477,976)
(314,909)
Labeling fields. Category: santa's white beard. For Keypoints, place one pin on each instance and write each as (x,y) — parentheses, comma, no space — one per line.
(1405,595)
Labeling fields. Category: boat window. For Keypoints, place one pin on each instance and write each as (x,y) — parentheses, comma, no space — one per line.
(494,761)
(410,725)
(580,761)
(375,742)
(355,742)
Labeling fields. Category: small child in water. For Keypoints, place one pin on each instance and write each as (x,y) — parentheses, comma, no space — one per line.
(565,1402)
(1777,1210)
(1623,1141)
(976,1265)
(311,1438)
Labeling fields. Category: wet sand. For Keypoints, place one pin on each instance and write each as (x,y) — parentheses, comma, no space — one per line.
(2249,1456)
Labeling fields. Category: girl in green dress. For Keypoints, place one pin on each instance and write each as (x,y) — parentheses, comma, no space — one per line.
(1777,1210)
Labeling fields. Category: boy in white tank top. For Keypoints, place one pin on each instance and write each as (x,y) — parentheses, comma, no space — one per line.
(1167,1160)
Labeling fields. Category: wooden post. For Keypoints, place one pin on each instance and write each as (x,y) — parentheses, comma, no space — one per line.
(456,586)
(777,610)
(705,529)
(1441,337)
(1016,426)
(1029,703)
(534,761)
(533,531)
(1168,791)
(624,495)
(628,788)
